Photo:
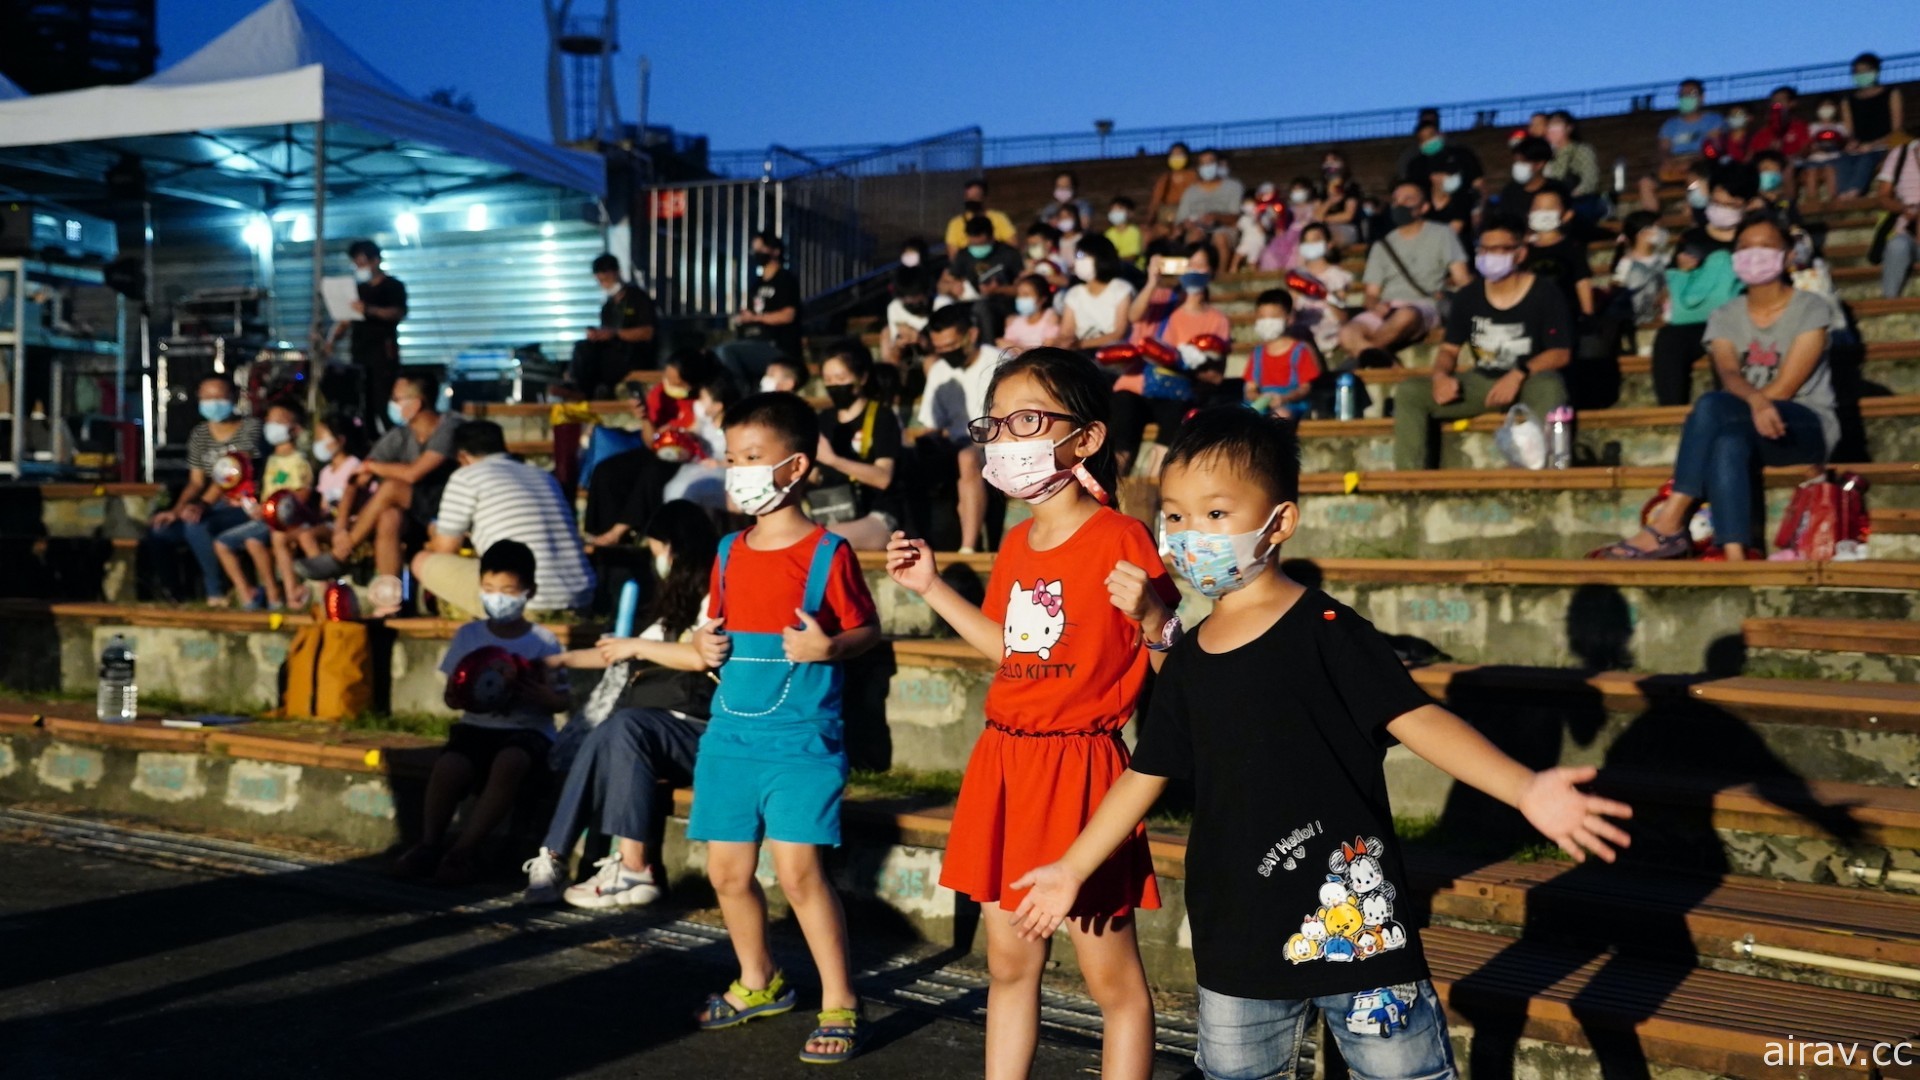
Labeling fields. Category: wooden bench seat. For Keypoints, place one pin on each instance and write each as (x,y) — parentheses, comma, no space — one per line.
(1896,636)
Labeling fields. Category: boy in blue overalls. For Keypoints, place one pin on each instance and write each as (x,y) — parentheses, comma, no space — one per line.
(787,605)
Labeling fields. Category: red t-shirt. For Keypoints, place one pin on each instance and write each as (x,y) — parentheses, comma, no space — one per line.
(764,587)
(1071,660)
(665,411)
(1275,369)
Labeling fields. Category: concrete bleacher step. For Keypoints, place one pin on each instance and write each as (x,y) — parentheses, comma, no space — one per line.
(1640,1014)
(77,510)
(1522,611)
(1836,648)
(1728,921)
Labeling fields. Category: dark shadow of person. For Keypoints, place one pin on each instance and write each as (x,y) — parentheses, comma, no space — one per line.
(1615,936)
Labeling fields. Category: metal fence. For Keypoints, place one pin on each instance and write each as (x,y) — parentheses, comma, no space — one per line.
(838,221)
(1374,124)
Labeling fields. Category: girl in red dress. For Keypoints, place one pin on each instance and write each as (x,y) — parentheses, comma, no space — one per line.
(1076,594)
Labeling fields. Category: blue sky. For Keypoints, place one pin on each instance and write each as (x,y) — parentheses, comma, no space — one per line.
(813,72)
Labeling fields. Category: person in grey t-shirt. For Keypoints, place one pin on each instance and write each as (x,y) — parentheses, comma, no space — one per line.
(1401,305)
(1209,209)
(1769,348)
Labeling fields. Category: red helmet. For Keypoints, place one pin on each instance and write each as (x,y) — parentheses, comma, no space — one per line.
(1215,346)
(1118,354)
(285,511)
(341,604)
(1155,351)
(676,445)
(231,471)
(1306,284)
(486,680)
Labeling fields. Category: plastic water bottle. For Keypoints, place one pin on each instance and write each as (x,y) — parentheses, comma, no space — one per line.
(1346,396)
(629,609)
(1560,438)
(119,698)
(1619,175)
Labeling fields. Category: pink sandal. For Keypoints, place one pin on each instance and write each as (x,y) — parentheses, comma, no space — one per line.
(1675,546)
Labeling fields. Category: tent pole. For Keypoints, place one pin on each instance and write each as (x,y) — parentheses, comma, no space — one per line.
(317,330)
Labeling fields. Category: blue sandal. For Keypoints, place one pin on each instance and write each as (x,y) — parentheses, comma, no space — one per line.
(836,1025)
(776,998)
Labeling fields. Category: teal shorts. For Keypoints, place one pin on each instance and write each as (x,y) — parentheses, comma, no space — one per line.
(794,799)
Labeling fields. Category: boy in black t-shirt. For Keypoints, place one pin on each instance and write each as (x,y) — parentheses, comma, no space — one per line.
(1293,868)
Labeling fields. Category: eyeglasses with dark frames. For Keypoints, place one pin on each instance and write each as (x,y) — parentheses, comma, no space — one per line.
(1024,424)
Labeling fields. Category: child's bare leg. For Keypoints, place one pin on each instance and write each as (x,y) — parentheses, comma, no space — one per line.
(452,776)
(263,569)
(730,867)
(1110,963)
(283,544)
(817,908)
(1013,997)
(230,562)
(510,767)
(310,539)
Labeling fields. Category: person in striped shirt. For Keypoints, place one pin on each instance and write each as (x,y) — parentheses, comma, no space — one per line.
(494,497)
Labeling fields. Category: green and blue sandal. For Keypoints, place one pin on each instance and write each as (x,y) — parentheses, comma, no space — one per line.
(840,1027)
(775,999)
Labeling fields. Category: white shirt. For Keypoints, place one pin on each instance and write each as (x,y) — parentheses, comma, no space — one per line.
(955,396)
(498,498)
(534,646)
(898,315)
(1098,316)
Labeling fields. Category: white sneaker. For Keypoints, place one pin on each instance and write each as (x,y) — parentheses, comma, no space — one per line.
(544,873)
(614,886)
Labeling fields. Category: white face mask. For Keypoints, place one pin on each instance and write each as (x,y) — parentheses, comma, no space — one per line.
(1117,217)
(767,385)
(275,434)
(909,259)
(1299,195)
(1543,221)
(1826,113)
(611,290)
(1083,268)
(752,489)
(1313,251)
(1522,172)
(363,274)
(1269,329)
(1062,194)
(1209,171)
(323,451)
(1027,470)
(503,607)
(1026,305)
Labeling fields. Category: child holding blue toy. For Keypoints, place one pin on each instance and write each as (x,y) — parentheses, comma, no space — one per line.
(787,607)
(1292,883)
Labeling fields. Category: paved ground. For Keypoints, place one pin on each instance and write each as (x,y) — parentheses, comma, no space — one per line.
(125,969)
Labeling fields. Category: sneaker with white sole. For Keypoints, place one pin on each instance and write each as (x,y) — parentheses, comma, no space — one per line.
(544,873)
(614,886)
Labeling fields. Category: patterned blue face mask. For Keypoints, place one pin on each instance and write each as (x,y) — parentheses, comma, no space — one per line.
(1216,564)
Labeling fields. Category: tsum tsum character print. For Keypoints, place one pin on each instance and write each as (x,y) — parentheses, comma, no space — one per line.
(1392,936)
(1314,929)
(1367,943)
(1337,950)
(1360,863)
(1300,949)
(1333,891)
(1343,920)
(1035,618)
(1377,906)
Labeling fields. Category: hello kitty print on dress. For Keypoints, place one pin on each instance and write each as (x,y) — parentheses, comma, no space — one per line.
(1035,618)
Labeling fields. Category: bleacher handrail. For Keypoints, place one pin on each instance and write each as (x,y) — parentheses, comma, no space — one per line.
(1329,128)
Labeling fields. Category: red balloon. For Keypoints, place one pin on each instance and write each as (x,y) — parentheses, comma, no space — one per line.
(341,603)
(1159,352)
(1213,345)
(676,445)
(1118,354)
(285,511)
(231,471)
(486,680)
(1306,284)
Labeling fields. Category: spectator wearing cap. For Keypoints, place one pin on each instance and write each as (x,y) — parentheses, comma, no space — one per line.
(975,205)
(1210,209)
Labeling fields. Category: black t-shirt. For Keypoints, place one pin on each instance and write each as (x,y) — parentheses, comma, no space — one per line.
(845,437)
(1564,264)
(376,342)
(1453,159)
(1294,875)
(1001,266)
(629,309)
(1459,208)
(1700,243)
(1493,340)
(777,293)
(1514,200)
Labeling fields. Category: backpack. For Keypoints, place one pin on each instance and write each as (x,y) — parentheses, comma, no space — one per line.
(329,671)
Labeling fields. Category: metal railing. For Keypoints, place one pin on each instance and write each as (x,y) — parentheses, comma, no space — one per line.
(838,221)
(1373,124)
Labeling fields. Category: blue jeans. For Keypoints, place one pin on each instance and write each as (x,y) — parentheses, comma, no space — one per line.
(612,780)
(1897,263)
(198,537)
(1721,455)
(1854,172)
(235,539)
(1254,1039)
